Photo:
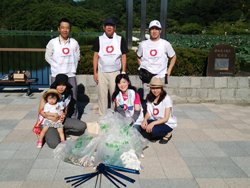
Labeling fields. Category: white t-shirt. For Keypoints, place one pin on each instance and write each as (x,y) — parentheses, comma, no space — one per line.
(54,108)
(157,112)
(154,56)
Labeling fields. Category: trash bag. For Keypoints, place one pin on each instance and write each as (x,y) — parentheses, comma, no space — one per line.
(119,137)
(115,138)
(78,152)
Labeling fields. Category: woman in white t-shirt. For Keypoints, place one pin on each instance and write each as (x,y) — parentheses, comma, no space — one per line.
(159,120)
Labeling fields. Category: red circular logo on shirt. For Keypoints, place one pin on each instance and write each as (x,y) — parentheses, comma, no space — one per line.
(65,51)
(153,52)
(155,111)
(125,107)
(109,49)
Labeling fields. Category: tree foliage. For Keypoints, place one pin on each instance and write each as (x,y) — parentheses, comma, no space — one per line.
(88,15)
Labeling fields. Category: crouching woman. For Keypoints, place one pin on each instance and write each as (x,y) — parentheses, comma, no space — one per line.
(159,120)
(127,100)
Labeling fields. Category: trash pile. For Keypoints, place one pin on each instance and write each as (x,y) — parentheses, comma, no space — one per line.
(116,144)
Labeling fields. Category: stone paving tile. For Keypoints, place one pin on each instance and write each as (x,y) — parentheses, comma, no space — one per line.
(8,124)
(14,174)
(173,161)
(196,161)
(235,135)
(152,170)
(194,115)
(62,173)
(3,164)
(186,124)
(17,136)
(5,114)
(20,164)
(9,146)
(181,172)
(209,115)
(204,172)
(26,124)
(216,135)
(31,115)
(41,174)
(211,183)
(197,135)
(230,172)
(232,149)
(237,182)
(37,184)
(221,161)
(9,107)
(17,115)
(21,100)
(244,145)
(150,182)
(180,135)
(187,183)
(181,115)
(210,149)
(204,124)
(7,154)
(13,184)
(46,164)
(6,101)
(241,126)
(26,154)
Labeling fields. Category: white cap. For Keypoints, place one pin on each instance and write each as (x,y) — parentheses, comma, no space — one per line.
(155,23)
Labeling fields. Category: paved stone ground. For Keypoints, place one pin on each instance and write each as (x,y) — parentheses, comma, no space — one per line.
(210,148)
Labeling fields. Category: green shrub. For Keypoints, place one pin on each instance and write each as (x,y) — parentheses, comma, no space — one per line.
(190,62)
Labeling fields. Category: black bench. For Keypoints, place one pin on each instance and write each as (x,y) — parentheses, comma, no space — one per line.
(18,83)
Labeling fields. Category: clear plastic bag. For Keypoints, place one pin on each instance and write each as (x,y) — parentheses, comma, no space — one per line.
(116,138)
(78,152)
(119,137)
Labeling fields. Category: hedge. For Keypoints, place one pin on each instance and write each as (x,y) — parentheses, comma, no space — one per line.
(190,62)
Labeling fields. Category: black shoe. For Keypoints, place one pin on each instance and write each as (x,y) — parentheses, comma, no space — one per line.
(165,139)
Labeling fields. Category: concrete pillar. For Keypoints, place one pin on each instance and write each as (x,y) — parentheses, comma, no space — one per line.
(143,18)
(163,18)
(129,22)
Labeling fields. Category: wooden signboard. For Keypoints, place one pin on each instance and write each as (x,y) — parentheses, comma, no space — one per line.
(221,61)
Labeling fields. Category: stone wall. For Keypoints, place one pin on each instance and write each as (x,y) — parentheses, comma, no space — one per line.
(184,89)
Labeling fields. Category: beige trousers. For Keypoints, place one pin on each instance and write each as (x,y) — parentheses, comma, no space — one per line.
(106,82)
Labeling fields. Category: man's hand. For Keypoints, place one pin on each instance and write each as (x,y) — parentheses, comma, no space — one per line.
(96,78)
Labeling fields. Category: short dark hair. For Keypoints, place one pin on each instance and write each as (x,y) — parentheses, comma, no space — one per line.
(52,95)
(64,20)
(151,97)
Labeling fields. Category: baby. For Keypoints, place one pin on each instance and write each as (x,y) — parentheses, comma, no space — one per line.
(53,108)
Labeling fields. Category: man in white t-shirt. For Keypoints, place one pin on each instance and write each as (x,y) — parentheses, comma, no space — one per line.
(63,54)
(153,54)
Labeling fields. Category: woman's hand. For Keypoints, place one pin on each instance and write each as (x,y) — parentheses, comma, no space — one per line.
(62,117)
(150,127)
(144,124)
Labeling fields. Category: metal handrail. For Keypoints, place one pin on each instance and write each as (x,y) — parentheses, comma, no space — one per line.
(22,49)
(29,59)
